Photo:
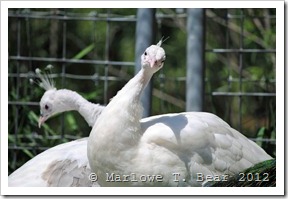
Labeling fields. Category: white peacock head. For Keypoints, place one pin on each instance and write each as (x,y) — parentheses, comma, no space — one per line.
(153,57)
(47,102)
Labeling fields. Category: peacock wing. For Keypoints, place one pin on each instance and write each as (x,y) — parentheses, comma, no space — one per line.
(197,144)
(65,165)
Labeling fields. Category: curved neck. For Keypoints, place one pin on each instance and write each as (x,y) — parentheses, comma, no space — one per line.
(114,140)
(124,112)
(70,100)
(137,84)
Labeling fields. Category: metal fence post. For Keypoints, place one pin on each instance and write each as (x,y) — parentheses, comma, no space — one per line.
(144,38)
(195,60)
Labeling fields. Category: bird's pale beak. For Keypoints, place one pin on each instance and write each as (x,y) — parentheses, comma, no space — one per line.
(153,62)
(41,120)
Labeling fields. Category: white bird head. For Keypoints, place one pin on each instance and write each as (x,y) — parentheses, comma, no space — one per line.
(153,58)
(48,101)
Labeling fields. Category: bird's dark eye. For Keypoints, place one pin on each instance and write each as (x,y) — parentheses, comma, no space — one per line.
(163,61)
(145,53)
(46,107)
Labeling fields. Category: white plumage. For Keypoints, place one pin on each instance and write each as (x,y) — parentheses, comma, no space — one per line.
(180,143)
(56,101)
(61,166)
(65,165)
(123,151)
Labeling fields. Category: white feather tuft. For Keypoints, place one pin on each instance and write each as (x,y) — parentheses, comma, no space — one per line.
(45,82)
(49,67)
(162,41)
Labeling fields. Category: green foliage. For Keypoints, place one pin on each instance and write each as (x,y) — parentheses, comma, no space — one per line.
(267,133)
(84,52)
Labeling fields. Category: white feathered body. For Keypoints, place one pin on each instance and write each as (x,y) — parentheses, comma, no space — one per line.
(65,165)
(179,147)
(184,144)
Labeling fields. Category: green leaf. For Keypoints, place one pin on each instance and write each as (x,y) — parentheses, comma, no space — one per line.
(71,121)
(84,52)
(11,138)
(27,152)
(33,117)
(260,135)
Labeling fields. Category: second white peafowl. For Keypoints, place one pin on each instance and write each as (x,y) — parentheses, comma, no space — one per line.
(65,165)
(181,149)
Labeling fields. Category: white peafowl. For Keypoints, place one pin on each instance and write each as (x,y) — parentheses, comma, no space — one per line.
(180,149)
(67,164)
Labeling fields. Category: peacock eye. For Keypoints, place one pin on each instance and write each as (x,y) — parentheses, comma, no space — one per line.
(145,53)
(46,107)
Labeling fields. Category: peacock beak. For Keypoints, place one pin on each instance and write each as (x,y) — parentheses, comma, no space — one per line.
(156,63)
(152,62)
(41,120)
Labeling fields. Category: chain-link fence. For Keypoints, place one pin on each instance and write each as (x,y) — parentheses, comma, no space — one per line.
(93,53)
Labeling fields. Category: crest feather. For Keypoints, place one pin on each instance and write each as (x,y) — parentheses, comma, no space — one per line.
(45,82)
(162,41)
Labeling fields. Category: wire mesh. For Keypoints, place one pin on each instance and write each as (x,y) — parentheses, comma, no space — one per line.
(92,51)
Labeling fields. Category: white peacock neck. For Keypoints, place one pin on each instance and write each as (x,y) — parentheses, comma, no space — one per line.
(121,118)
(136,85)
(69,100)
(115,139)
